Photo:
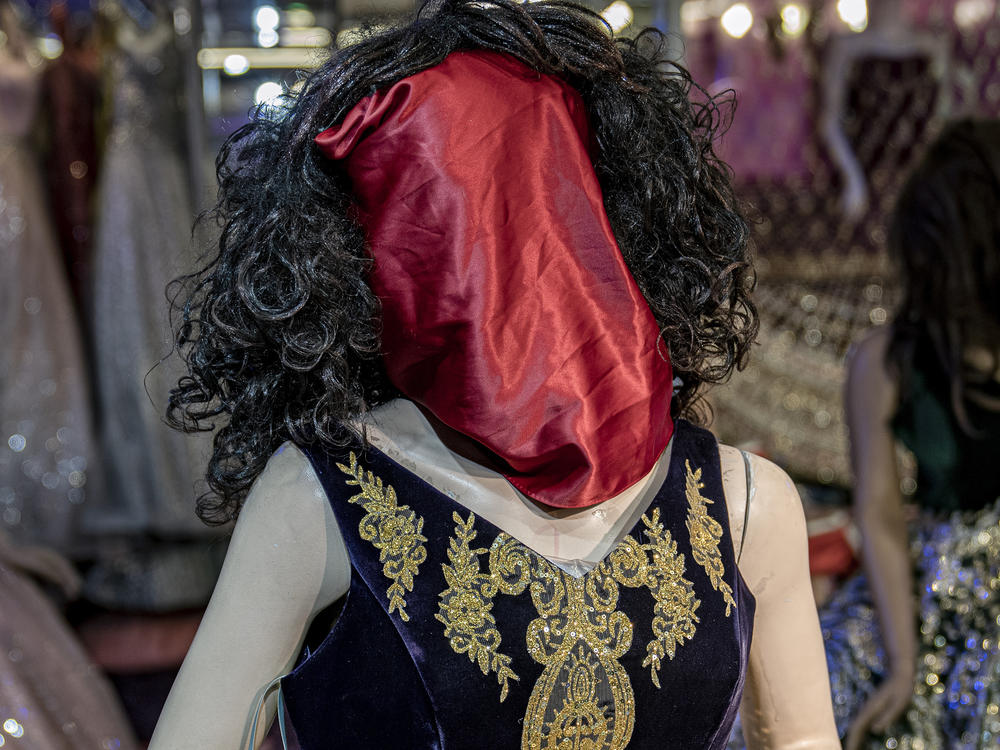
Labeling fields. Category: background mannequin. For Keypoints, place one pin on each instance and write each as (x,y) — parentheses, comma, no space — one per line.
(886,37)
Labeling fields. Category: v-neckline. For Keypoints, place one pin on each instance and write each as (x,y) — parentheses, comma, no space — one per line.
(463,510)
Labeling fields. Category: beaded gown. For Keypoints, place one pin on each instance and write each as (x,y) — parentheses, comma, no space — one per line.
(455,635)
(47,446)
(167,558)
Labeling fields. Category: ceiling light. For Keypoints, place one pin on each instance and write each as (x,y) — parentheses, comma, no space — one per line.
(236,65)
(793,19)
(618,15)
(266,17)
(268,93)
(267,37)
(737,20)
(854,13)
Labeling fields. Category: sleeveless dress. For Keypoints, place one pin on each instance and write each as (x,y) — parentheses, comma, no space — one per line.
(955,550)
(455,635)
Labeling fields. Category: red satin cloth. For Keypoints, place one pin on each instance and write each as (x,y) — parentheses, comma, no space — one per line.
(508,310)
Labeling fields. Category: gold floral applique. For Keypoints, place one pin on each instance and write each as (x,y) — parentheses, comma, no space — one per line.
(579,634)
(394,530)
(705,533)
(465,606)
(674,617)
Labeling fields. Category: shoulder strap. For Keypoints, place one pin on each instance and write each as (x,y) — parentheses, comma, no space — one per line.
(746,510)
(275,683)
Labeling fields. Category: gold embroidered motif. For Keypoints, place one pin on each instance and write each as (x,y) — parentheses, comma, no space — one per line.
(394,530)
(674,615)
(705,534)
(465,606)
(583,698)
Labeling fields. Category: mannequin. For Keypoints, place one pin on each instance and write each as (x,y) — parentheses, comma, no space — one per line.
(930,382)
(471,411)
(886,37)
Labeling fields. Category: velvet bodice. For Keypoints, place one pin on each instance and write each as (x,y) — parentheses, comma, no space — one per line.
(455,635)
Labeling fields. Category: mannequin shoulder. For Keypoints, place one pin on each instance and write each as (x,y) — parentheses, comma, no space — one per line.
(775,533)
(868,376)
(287,520)
(286,495)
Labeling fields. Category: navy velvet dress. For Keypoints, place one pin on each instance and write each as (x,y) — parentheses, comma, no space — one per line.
(456,636)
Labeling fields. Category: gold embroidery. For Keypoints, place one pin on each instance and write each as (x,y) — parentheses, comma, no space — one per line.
(674,615)
(394,530)
(705,534)
(583,698)
(465,606)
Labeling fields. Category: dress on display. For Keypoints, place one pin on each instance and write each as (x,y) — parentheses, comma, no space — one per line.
(45,420)
(454,634)
(143,241)
(72,93)
(955,548)
(52,697)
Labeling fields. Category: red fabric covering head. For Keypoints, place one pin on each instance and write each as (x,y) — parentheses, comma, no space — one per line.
(508,310)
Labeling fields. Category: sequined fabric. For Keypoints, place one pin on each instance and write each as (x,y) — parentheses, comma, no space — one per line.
(143,241)
(47,451)
(956,701)
(51,696)
(584,697)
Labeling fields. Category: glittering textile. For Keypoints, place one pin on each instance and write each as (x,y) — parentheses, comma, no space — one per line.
(956,698)
(51,696)
(583,696)
(46,447)
(393,529)
(142,242)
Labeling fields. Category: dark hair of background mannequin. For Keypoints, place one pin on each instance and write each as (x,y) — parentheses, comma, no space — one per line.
(280,329)
(945,238)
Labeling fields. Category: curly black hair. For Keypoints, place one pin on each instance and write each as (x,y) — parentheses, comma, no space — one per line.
(945,237)
(280,330)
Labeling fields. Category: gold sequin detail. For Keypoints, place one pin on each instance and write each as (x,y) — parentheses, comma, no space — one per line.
(705,533)
(674,615)
(394,530)
(583,698)
(465,606)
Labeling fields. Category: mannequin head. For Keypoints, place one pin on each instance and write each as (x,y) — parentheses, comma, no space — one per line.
(280,330)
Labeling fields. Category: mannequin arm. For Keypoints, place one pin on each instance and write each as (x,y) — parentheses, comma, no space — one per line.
(894,43)
(286,562)
(871,399)
(786,703)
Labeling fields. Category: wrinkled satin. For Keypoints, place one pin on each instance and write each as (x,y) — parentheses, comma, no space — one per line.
(508,310)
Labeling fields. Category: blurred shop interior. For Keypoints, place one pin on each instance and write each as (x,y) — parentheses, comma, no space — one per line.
(112,113)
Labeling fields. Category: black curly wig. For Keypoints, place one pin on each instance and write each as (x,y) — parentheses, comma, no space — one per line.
(945,238)
(280,330)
